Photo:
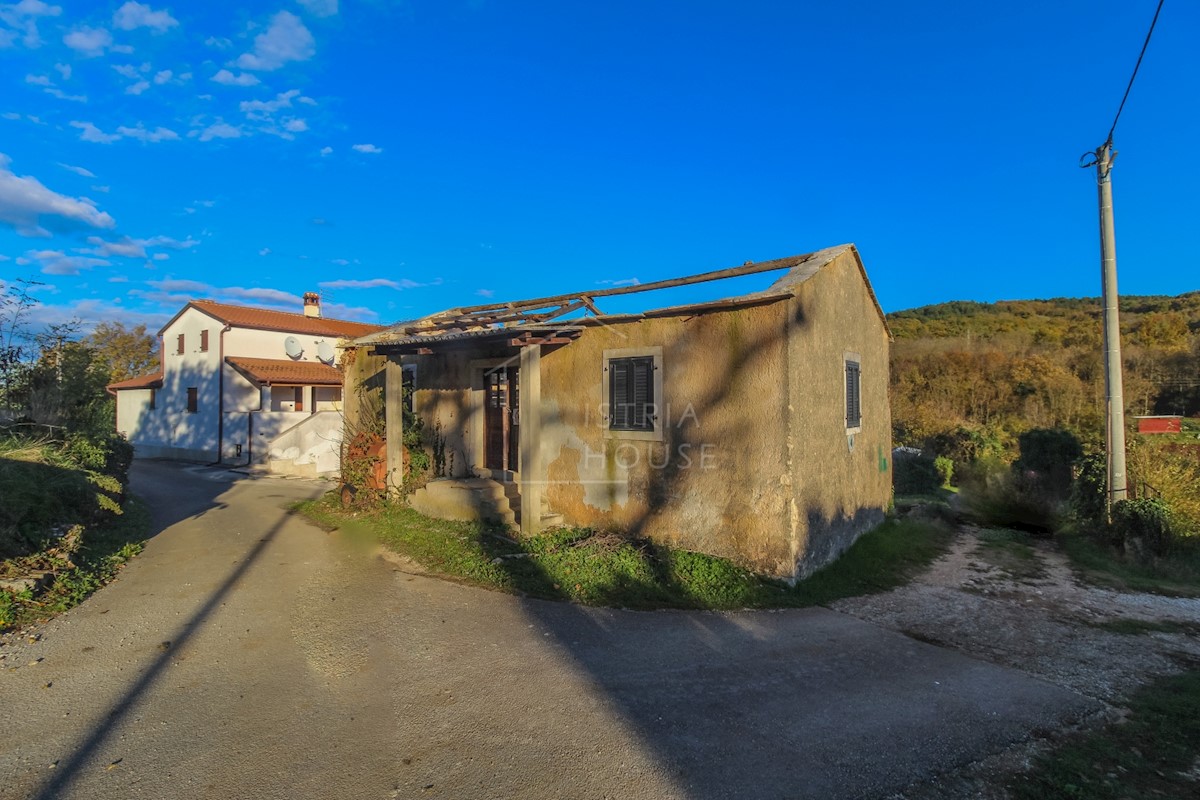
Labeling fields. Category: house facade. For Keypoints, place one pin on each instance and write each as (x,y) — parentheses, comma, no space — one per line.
(241,385)
(756,427)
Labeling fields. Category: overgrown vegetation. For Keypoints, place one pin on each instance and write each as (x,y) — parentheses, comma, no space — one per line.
(64,513)
(1150,754)
(597,568)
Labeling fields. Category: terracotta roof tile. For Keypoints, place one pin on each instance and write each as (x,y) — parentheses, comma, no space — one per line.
(154,381)
(279,371)
(265,319)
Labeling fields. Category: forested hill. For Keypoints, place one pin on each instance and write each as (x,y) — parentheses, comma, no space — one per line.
(979,374)
(1151,320)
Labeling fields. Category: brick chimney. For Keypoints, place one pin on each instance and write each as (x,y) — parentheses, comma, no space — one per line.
(312,304)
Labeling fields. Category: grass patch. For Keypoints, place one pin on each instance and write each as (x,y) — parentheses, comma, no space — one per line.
(1011,552)
(1177,575)
(594,568)
(1152,754)
(81,568)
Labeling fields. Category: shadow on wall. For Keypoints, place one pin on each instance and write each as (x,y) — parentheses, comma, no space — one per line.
(170,429)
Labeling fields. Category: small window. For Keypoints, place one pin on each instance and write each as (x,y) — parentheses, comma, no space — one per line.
(204,341)
(193,400)
(179,345)
(631,394)
(299,398)
(853,394)
(153,399)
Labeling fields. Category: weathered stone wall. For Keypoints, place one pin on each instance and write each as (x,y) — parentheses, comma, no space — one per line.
(717,482)
(842,481)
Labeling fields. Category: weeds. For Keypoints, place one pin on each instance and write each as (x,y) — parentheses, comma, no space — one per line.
(596,568)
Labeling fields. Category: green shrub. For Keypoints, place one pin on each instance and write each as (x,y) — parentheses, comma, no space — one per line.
(945,469)
(1046,461)
(914,473)
(1144,527)
(1088,493)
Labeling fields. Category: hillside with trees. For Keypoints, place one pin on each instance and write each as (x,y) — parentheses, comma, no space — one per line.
(968,378)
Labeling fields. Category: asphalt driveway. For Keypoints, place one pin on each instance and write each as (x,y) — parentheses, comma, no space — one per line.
(249,654)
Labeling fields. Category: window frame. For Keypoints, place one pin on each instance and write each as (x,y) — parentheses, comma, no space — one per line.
(852,363)
(193,400)
(655,406)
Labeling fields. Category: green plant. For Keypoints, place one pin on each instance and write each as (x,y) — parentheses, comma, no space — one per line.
(945,469)
(1144,526)
(915,473)
(1047,457)
(1089,492)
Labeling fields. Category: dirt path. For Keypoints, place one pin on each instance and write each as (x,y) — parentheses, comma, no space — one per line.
(1016,602)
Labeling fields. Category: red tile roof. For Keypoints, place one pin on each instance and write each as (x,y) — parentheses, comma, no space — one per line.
(154,381)
(270,371)
(265,319)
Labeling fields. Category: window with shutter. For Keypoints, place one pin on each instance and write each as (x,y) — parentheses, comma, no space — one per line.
(179,345)
(853,394)
(631,394)
(193,400)
(204,341)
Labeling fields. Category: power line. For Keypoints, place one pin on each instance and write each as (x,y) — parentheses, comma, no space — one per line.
(1145,44)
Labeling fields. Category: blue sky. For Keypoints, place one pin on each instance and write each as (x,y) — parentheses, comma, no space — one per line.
(404,157)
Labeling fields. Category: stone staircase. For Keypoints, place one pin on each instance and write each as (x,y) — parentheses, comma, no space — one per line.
(476,500)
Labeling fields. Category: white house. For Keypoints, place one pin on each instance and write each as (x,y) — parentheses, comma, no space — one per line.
(242,385)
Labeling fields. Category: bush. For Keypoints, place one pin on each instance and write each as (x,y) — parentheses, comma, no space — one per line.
(945,469)
(1089,491)
(914,473)
(1144,527)
(1047,458)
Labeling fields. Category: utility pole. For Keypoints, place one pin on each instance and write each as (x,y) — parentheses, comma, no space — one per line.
(1115,417)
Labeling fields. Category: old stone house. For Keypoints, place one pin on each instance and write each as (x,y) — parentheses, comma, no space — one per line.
(754,427)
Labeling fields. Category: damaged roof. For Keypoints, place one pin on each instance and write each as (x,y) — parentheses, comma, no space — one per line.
(542,320)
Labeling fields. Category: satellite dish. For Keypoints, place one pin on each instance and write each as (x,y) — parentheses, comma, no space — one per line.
(292,346)
(325,352)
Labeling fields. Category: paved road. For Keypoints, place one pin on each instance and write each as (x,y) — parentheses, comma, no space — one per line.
(247,654)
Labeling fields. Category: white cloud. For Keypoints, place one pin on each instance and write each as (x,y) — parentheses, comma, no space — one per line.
(218,42)
(320,8)
(160,256)
(39,80)
(162,76)
(367,148)
(229,79)
(24,202)
(22,19)
(170,243)
(372,283)
(135,15)
(341,262)
(124,247)
(102,189)
(138,87)
(55,262)
(88,41)
(143,134)
(623,282)
(266,251)
(77,170)
(326,151)
(262,109)
(485,292)
(285,40)
(127,71)
(93,134)
(64,70)
(10,115)
(61,95)
(295,125)
(218,130)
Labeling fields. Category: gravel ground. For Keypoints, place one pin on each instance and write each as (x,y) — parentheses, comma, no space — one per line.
(1032,614)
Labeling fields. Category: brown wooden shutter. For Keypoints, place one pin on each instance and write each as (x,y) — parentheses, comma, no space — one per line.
(193,400)
(631,393)
(853,394)
(204,341)
(179,345)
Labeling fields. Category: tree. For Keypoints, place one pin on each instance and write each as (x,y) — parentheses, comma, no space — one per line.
(126,352)
(15,304)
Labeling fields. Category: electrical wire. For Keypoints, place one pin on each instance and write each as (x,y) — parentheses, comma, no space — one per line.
(1145,44)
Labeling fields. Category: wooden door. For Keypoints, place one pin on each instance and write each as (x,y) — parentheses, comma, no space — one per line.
(501,418)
